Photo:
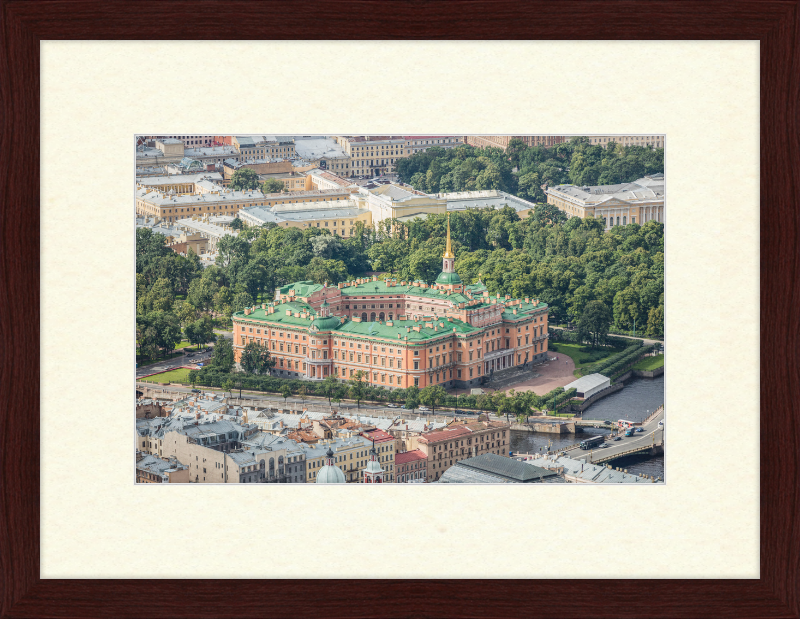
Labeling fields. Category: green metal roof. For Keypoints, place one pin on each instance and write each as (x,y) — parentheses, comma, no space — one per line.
(426,332)
(328,323)
(448,278)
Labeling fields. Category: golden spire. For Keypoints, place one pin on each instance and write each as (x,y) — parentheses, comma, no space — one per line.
(448,252)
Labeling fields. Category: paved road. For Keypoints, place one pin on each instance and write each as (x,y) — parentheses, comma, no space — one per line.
(639,439)
(169,364)
(320,405)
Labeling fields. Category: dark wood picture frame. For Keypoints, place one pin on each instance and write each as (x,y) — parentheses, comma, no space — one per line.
(776,24)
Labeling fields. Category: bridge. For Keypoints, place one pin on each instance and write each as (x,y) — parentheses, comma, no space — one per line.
(595,423)
(649,441)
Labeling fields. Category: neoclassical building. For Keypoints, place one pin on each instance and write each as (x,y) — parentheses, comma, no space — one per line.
(617,205)
(399,333)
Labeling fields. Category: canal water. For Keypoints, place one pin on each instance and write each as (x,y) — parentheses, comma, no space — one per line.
(639,398)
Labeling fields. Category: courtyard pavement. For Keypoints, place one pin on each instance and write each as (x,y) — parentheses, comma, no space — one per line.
(552,374)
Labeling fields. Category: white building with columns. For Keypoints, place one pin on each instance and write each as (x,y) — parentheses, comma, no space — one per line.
(625,203)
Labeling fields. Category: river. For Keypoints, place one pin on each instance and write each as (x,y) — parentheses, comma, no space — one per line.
(639,398)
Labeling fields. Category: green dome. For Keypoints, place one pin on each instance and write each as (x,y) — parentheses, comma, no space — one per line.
(325,324)
(448,278)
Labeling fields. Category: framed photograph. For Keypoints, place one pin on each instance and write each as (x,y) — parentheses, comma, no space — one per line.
(90,94)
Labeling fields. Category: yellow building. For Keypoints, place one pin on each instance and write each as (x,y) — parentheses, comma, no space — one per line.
(351,455)
(625,203)
(212,199)
(373,155)
(264,146)
(393,201)
(656,141)
(338,216)
(178,183)
(502,141)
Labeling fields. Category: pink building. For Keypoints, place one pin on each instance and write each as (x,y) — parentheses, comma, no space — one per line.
(411,466)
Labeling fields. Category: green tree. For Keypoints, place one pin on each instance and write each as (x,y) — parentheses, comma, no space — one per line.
(320,270)
(504,405)
(433,396)
(237,224)
(272,185)
(412,398)
(201,293)
(358,386)
(256,359)
(655,322)
(200,331)
(223,359)
(339,394)
(184,312)
(244,179)
(594,323)
(228,386)
(241,301)
(329,386)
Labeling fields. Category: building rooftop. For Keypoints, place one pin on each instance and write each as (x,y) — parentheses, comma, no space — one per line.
(463,475)
(208,228)
(585,383)
(154,464)
(445,435)
(409,456)
(319,449)
(589,473)
(224,195)
(174,179)
(507,468)
(377,435)
(646,189)
(313,148)
(329,176)
(491,198)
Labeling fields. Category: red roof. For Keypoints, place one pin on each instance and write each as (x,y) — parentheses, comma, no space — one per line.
(379,436)
(444,435)
(409,456)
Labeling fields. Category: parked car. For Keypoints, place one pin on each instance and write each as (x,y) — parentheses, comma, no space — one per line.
(391,405)
(195,391)
(424,408)
(460,412)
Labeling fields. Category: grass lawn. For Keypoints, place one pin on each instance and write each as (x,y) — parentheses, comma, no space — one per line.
(581,359)
(180,375)
(650,363)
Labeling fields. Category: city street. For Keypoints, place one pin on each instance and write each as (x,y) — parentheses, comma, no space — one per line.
(651,433)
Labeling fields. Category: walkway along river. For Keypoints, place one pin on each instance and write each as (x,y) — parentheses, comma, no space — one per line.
(639,396)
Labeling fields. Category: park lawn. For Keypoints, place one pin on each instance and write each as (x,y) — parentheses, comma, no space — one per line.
(179,375)
(650,363)
(581,359)
(186,344)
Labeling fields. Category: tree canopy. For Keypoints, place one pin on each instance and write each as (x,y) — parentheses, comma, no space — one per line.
(244,179)
(522,170)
